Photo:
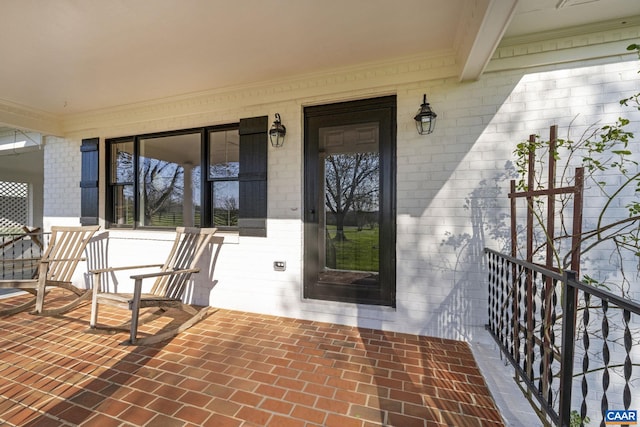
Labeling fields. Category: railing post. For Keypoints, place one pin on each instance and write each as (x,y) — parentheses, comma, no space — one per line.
(568,342)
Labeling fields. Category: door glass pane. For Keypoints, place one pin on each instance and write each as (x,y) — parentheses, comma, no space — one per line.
(351,222)
(169,181)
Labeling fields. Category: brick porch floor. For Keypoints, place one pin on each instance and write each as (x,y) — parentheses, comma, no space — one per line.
(236,369)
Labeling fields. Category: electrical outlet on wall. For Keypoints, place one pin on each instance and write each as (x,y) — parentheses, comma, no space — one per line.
(279,265)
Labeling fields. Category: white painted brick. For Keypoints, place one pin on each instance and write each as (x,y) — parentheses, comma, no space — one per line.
(478,126)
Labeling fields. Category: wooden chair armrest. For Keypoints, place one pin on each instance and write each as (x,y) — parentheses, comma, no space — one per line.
(128,267)
(164,273)
(137,285)
(47,260)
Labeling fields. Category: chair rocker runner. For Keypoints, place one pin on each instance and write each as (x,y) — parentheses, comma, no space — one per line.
(55,268)
(167,291)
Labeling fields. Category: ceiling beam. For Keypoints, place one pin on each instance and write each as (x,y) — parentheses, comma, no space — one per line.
(492,25)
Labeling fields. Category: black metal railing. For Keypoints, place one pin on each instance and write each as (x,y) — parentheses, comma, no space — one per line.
(573,346)
(20,253)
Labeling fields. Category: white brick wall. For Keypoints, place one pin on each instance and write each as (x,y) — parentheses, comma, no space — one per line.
(441,290)
(61,182)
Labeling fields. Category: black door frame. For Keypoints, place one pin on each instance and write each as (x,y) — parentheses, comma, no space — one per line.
(383,111)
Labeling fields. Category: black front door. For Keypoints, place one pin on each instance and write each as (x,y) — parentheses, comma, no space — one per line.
(349,232)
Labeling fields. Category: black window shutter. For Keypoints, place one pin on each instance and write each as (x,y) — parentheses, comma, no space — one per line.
(89,182)
(253,176)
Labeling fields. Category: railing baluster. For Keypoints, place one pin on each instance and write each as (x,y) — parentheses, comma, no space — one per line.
(626,316)
(585,358)
(509,314)
(604,405)
(532,324)
(552,336)
(566,364)
(518,317)
(530,348)
(525,329)
(490,310)
(501,308)
(542,381)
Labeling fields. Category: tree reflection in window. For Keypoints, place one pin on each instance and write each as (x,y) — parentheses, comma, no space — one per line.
(161,190)
(352,200)
(169,181)
(122,179)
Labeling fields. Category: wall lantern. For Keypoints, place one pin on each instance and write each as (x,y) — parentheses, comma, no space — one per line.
(426,118)
(277,132)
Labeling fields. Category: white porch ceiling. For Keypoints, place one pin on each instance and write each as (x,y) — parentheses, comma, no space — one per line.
(69,56)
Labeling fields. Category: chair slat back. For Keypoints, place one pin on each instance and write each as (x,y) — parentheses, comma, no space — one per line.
(65,249)
(188,247)
(98,259)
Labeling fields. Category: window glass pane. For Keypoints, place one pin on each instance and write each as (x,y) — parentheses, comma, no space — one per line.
(225,203)
(123,205)
(169,181)
(122,162)
(224,154)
